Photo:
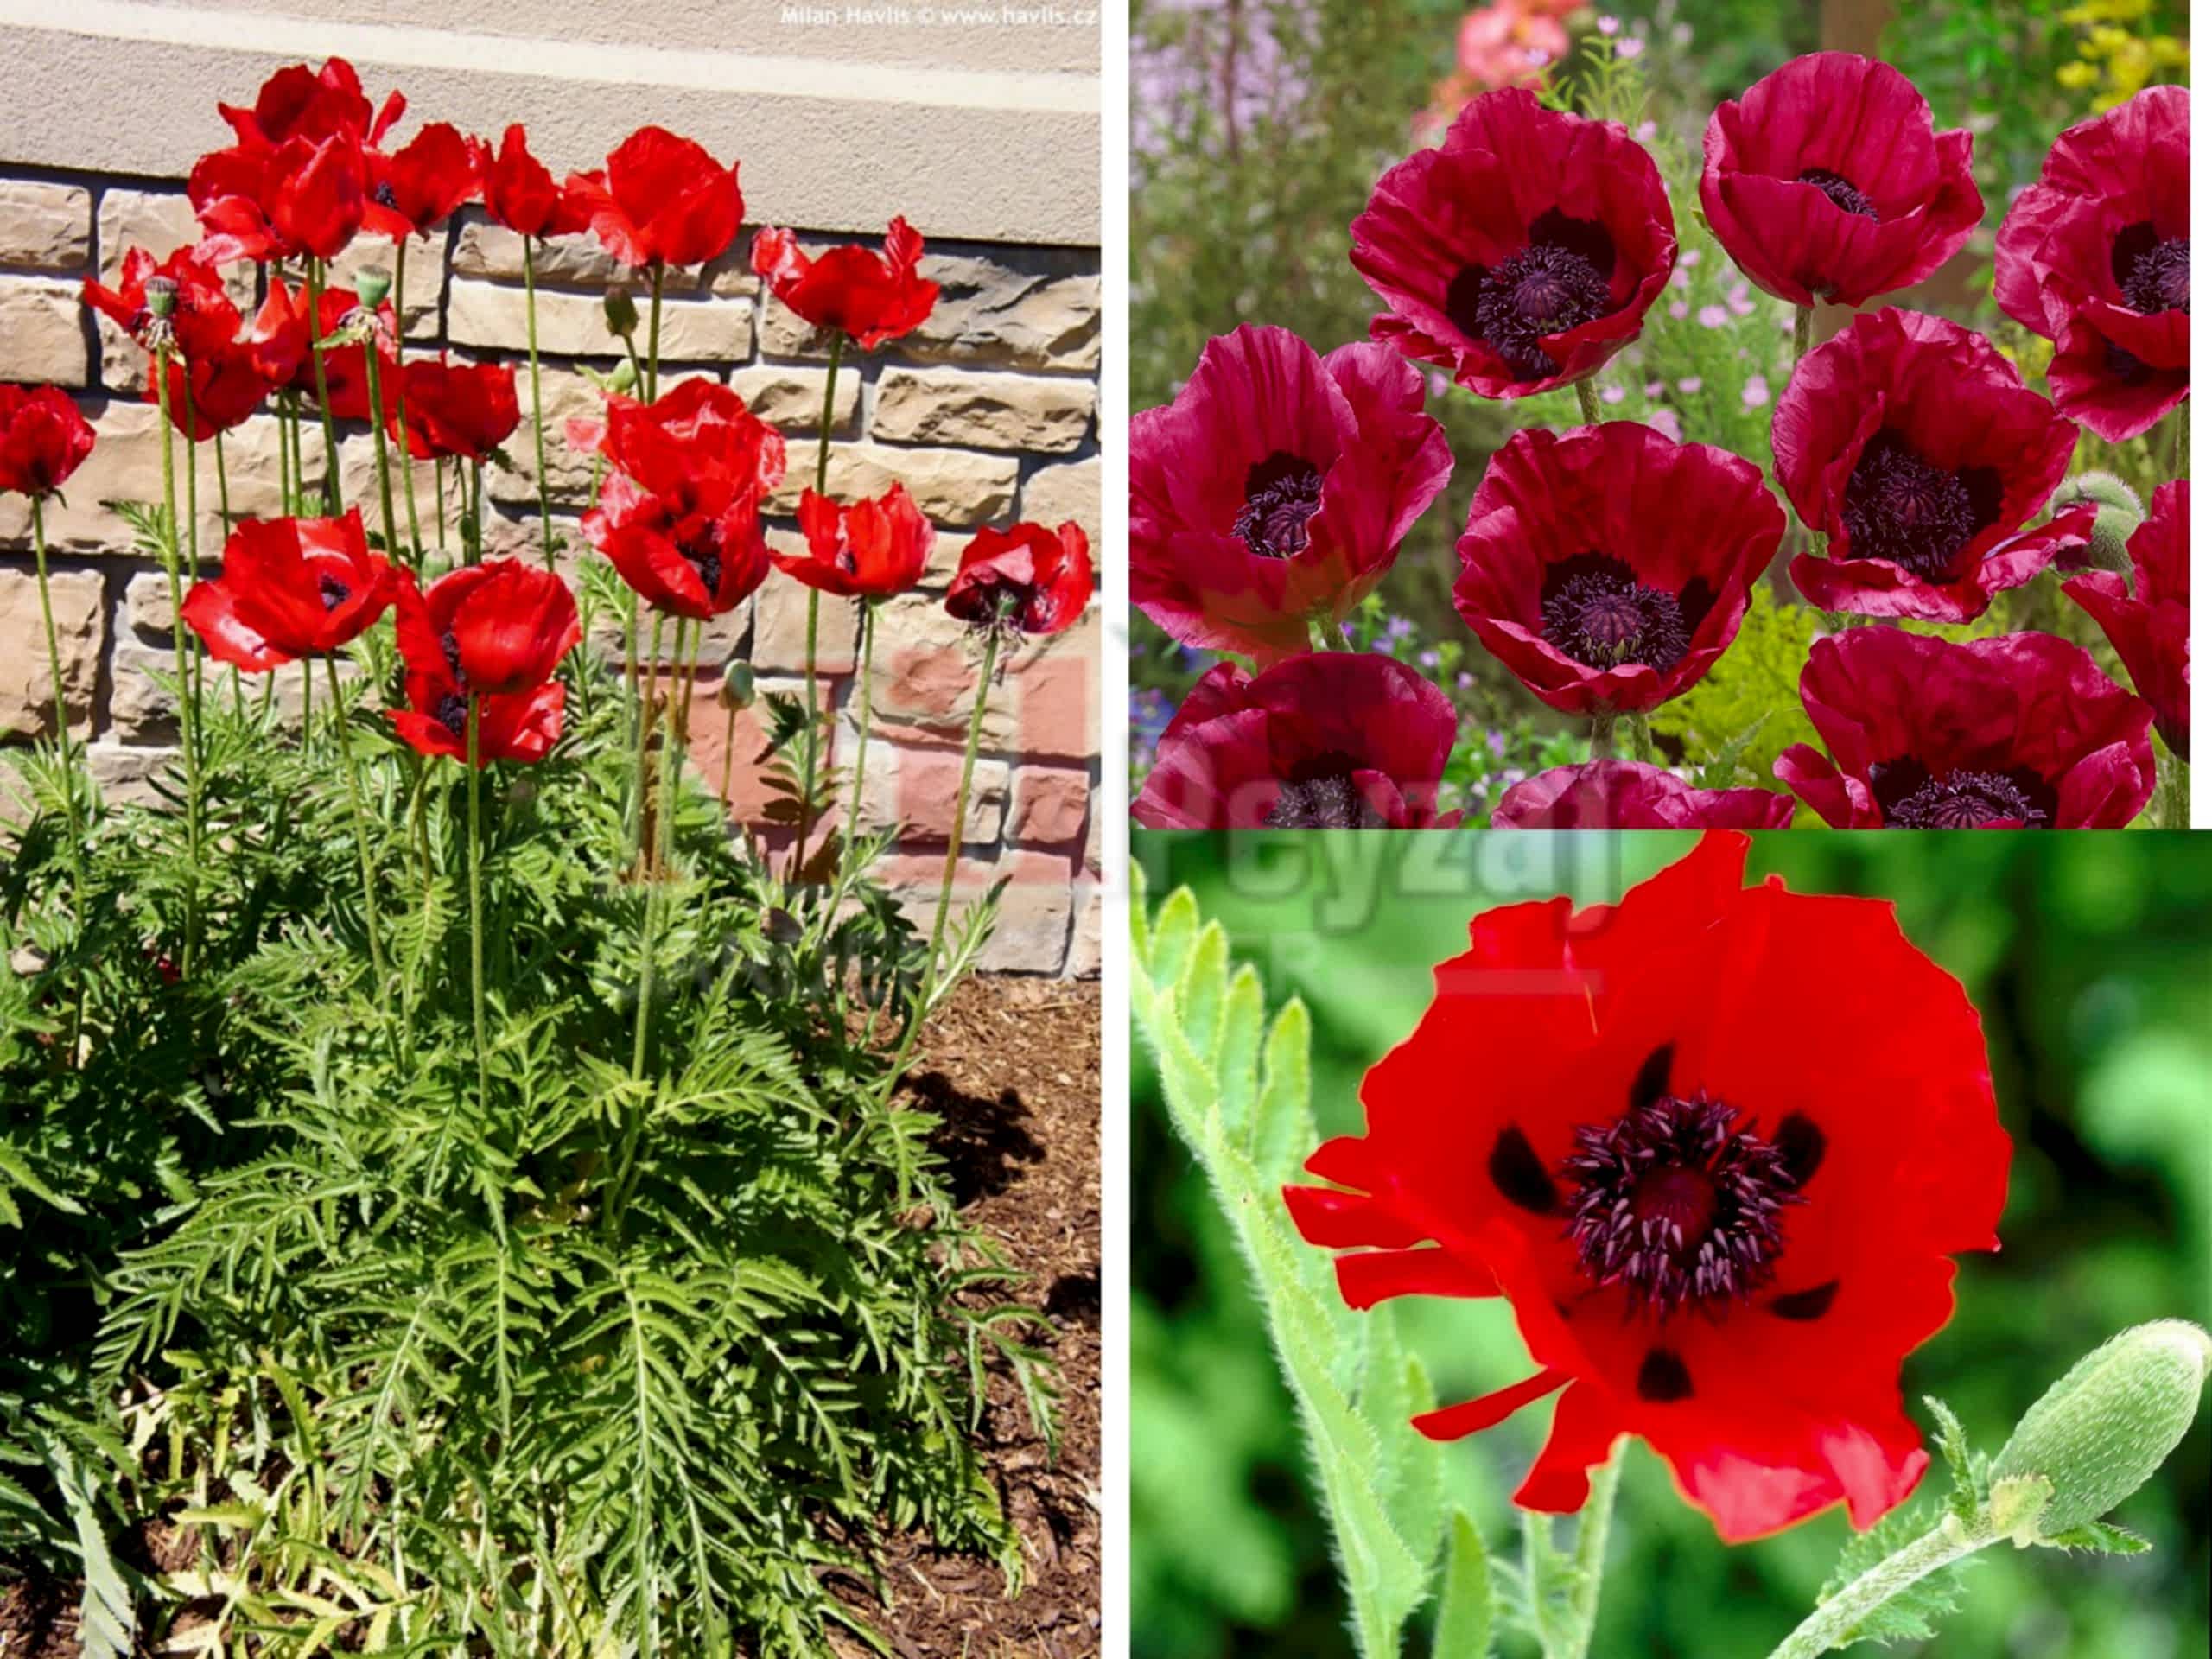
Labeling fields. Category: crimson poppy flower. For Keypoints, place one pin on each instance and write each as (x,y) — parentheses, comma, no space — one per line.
(870,550)
(44,437)
(1328,740)
(1706,1240)
(518,192)
(1272,494)
(290,587)
(514,726)
(283,347)
(1026,580)
(453,409)
(203,319)
(2019,732)
(419,185)
(1827,181)
(225,387)
(698,565)
(1608,794)
(1608,567)
(2095,256)
(2149,628)
(660,198)
(489,629)
(312,104)
(869,295)
(696,446)
(1523,253)
(1911,443)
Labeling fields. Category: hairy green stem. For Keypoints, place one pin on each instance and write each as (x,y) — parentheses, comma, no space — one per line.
(399,401)
(476,909)
(352,768)
(475,512)
(1800,338)
(1830,1623)
(330,491)
(1586,392)
(811,754)
(1590,1556)
(652,337)
(1325,635)
(384,457)
(537,396)
(68,769)
(960,808)
(1601,735)
(845,866)
(187,702)
(1639,732)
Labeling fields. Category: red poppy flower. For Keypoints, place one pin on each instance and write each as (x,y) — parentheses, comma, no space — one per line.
(1706,1241)
(290,587)
(1330,741)
(870,550)
(453,409)
(1028,579)
(226,388)
(1628,795)
(1608,567)
(1273,492)
(517,726)
(2094,256)
(660,198)
(518,192)
(418,185)
(697,447)
(312,104)
(1911,444)
(44,437)
(2019,732)
(1829,181)
(283,347)
(203,319)
(695,564)
(2150,627)
(869,295)
(491,629)
(1523,253)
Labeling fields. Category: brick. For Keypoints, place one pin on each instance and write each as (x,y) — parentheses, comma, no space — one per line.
(790,398)
(425,278)
(716,731)
(575,325)
(1049,805)
(568,396)
(483,248)
(988,411)
(1044,704)
(142,711)
(952,486)
(1031,935)
(146,606)
(918,788)
(1090,918)
(126,464)
(41,339)
(1052,495)
(126,775)
(780,624)
(45,226)
(1034,309)
(26,673)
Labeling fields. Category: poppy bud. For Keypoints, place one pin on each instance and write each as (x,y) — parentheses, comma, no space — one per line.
(625,378)
(2120,514)
(737,686)
(2103,1428)
(621,314)
(161,296)
(372,285)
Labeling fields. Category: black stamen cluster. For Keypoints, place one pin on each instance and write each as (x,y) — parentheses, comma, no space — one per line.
(1900,507)
(1281,493)
(1545,289)
(1840,191)
(1596,611)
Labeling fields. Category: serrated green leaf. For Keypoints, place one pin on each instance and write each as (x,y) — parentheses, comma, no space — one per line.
(2099,1536)
(1965,1500)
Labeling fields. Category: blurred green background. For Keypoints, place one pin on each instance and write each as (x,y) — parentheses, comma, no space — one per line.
(2091,957)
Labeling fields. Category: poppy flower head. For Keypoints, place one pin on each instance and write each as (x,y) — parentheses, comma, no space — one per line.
(211,393)
(695,563)
(317,194)
(660,198)
(1026,580)
(1523,253)
(1581,572)
(2019,732)
(202,318)
(282,345)
(418,187)
(1827,181)
(464,409)
(2148,626)
(490,629)
(871,548)
(44,437)
(1272,493)
(696,446)
(312,104)
(1911,444)
(290,588)
(871,296)
(1608,794)
(513,726)
(1705,1242)
(1328,740)
(518,192)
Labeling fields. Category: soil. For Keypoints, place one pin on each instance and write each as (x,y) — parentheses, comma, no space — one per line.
(1023,1157)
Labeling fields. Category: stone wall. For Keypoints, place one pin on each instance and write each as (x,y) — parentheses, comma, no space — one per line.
(989,413)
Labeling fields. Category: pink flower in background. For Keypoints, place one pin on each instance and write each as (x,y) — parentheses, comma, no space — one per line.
(1498,44)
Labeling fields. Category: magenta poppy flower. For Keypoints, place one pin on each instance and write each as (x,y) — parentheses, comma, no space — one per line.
(2017,733)
(2095,256)
(1334,740)
(1608,567)
(1911,444)
(1628,795)
(1827,181)
(1523,253)
(2149,628)
(1273,492)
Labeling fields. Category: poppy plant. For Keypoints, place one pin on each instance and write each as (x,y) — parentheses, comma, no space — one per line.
(203,318)
(1705,1241)
(2021,732)
(489,630)
(697,564)
(44,437)
(2148,626)
(418,187)
(461,410)
(1026,580)
(660,199)
(1609,794)
(1911,444)
(1271,496)
(1328,740)
(870,550)
(2095,256)
(1827,181)
(290,588)
(1584,571)
(1523,253)
(518,192)
(868,296)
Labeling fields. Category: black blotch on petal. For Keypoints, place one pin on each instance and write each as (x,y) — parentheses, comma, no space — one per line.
(1520,1175)
(1801,1146)
(1662,1377)
(1651,1077)
(1804,1304)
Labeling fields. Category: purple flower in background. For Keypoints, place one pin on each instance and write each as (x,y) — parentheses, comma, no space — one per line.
(1199,69)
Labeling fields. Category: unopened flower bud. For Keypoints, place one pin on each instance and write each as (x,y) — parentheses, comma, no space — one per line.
(737,686)
(621,314)
(2104,1427)
(625,378)
(372,285)
(2120,514)
(161,296)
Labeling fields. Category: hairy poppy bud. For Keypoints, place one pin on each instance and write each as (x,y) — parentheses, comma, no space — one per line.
(161,296)
(737,686)
(2120,514)
(372,285)
(621,314)
(2103,1428)
(625,378)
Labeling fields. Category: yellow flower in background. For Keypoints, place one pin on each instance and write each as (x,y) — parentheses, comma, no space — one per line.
(2111,59)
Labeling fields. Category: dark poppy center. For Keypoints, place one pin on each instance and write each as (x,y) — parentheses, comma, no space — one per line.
(1913,799)
(1596,611)
(701,544)
(1677,1205)
(1840,191)
(335,593)
(2158,280)
(451,646)
(1546,288)
(1901,507)
(452,712)
(1321,794)
(386,196)
(1280,494)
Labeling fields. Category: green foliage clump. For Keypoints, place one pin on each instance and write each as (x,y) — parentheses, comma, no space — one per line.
(1745,712)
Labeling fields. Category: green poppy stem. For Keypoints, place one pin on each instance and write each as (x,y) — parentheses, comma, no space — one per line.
(812,753)
(330,488)
(384,457)
(1586,393)
(960,808)
(536,397)
(361,836)
(1601,735)
(60,708)
(652,337)
(187,702)
(476,909)
(1800,338)
(399,401)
